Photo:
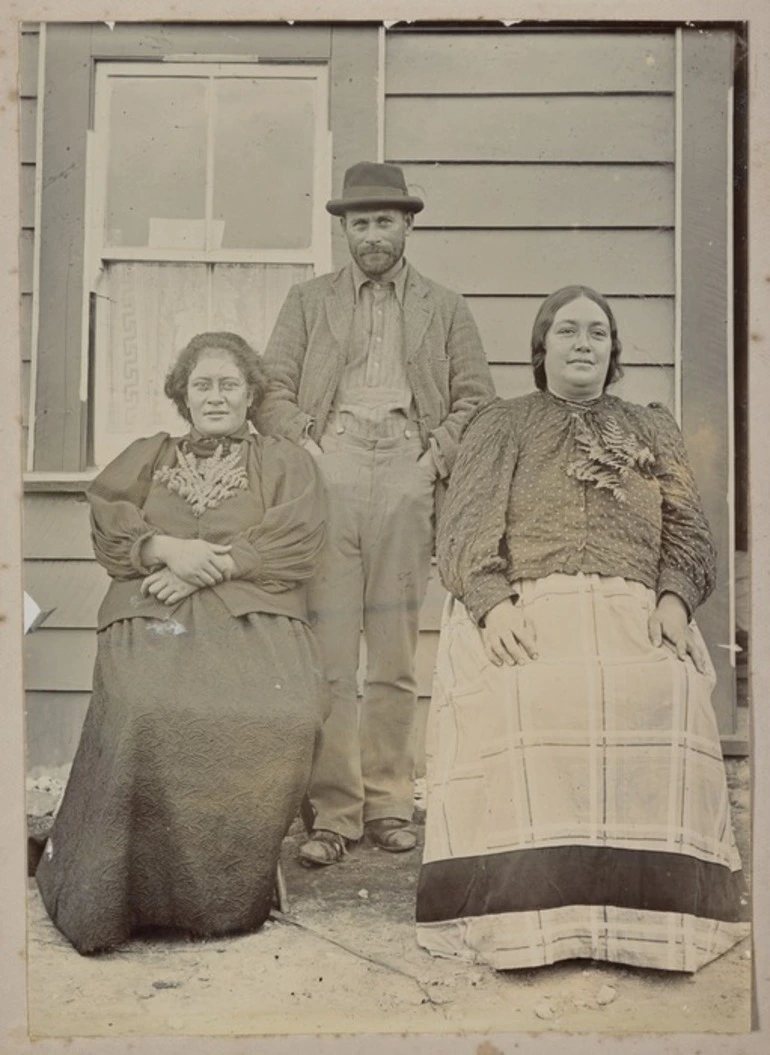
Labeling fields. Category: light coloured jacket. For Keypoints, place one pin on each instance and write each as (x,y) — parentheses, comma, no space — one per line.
(308,350)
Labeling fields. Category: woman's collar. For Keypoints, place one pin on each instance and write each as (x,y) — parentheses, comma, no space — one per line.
(241,433)
(577,403)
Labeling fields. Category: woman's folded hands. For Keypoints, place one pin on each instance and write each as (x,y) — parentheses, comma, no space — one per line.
(167,587)
(188,565)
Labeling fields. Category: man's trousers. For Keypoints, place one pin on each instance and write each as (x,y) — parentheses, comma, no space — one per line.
(373,576)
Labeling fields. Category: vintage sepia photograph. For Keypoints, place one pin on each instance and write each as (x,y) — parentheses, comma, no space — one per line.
(386,535)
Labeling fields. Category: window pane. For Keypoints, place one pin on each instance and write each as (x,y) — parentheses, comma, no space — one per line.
(263,162)
(156,174)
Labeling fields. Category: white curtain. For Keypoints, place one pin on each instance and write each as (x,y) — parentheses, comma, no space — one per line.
(148,312)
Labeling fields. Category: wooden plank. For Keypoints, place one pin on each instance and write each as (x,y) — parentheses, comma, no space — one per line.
(433,605)
(54,721)
(418,735)
(706,412)
(738,743)
(75,588)
(25,326)
(59,440)
(59,660)
(426,661)
(645,325)
(24,387)
(27,194)
(247,39)
(29,53)
(521,61)
(26,260)
(530,195)
(537,262)
(27,131)
(56,526)
(530,128)
(640,384)
(646,384)
(353,109)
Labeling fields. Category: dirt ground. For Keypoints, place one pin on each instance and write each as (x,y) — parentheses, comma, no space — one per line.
(343,959)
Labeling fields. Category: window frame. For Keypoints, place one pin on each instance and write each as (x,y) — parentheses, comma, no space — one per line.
(318,253)
(98,254)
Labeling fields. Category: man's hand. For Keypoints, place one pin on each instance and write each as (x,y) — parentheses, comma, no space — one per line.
(668,626)
(507,636)
(312,447)
(428,462)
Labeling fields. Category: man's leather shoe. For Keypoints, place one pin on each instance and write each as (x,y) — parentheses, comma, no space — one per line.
(323,848)
(392,834)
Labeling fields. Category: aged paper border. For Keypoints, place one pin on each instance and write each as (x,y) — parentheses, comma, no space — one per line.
(13,1029)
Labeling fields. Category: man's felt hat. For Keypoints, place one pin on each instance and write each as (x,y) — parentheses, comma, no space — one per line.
(370,184)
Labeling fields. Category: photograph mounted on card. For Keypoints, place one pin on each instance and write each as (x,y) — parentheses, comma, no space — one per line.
(349,679)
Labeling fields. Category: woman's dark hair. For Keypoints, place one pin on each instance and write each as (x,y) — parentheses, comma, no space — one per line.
(544,321)
(243,355)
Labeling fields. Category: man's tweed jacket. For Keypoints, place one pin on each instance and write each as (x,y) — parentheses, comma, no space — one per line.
(308,350)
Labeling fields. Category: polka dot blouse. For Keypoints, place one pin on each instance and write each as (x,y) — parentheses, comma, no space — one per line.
(545,485)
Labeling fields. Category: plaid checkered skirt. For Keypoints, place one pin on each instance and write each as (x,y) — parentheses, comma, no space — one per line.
(577,805)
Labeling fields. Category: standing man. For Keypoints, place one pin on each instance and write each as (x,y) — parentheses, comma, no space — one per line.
(375,370)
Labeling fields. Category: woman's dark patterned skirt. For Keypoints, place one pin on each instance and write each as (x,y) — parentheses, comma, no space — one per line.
(194,757)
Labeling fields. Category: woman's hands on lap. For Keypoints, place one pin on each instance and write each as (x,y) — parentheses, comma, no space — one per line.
(167,587)
(669,626)
(196,561)
(507,635)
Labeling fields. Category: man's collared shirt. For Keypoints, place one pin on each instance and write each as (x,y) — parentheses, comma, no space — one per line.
(374,396)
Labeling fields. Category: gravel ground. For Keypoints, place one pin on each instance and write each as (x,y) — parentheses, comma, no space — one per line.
(344,959)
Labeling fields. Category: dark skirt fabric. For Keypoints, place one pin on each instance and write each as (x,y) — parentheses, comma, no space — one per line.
(195,754)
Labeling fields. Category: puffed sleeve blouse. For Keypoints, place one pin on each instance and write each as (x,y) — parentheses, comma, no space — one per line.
(544,485)
(273,516)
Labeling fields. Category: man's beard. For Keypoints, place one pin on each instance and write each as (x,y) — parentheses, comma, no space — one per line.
(378,261)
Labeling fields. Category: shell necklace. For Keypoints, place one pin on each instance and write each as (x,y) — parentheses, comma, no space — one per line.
(205,482)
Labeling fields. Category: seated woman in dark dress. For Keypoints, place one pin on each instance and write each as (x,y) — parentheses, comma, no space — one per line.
(208,694)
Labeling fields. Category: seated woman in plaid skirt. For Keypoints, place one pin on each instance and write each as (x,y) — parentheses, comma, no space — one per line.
(577,801)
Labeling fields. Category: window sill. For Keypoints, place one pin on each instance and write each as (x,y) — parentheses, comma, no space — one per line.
(58,482)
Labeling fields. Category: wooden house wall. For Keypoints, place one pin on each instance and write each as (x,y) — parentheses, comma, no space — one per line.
(513,210)
(544,159)
(29,52)
(548,158)
(59,568)
(60,571)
